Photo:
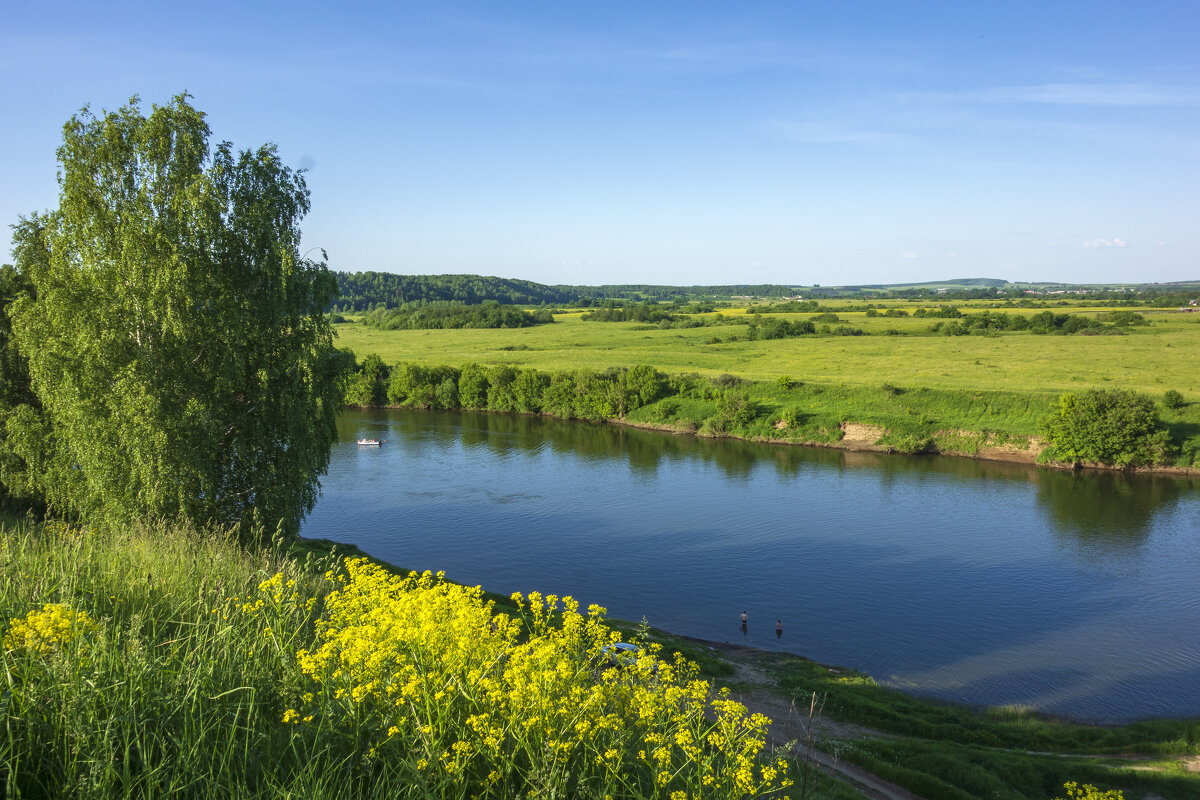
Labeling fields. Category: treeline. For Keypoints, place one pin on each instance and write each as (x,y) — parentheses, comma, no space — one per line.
(572,394)
(790,307)
(775,328)
(1149,295)
(665,316)
(1045,322)
(638,312)
(1121,428)
(441,315)
(364,291)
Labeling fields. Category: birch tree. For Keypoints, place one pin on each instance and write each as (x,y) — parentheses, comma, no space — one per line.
(176,340)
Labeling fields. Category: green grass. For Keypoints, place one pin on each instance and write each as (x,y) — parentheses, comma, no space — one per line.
(950,771)
(181,689)
(854,697)
(940,750)
(922,392)
(178,693)
(1150,359)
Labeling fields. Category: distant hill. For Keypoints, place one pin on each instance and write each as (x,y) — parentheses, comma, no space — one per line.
(363,291)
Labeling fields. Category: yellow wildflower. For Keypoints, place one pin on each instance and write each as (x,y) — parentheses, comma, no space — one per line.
(42,631)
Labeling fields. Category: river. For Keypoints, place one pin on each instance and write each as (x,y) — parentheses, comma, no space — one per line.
(978,582)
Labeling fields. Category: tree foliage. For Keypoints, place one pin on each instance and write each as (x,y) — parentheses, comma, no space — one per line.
(1172,399)
(176,341)
(437,315)
(367,291)
(1115,427)
(16,394)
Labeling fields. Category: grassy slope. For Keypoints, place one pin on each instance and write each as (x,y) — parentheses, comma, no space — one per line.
(180,689)
(942,751)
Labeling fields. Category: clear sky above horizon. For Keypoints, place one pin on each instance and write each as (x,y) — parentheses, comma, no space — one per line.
(668,142)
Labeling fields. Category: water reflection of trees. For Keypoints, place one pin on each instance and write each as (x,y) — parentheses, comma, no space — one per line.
(1105,509)
(1109,510)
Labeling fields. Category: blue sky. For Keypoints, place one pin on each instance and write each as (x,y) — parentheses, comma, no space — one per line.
(668,142)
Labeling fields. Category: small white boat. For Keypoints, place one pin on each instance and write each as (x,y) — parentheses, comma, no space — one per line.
(369,442)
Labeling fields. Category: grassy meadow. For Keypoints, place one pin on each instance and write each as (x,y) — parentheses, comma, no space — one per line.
(924,389)
(1148,359)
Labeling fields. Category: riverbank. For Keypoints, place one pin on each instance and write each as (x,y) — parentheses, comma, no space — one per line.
(981,445)
(863,438)
(912,392)
(167,635)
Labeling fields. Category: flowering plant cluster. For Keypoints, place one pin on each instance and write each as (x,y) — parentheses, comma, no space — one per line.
(42,631)
(471,702)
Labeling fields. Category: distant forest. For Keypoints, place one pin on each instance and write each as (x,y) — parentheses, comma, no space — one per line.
(443,314)
(369,291)
(364,291)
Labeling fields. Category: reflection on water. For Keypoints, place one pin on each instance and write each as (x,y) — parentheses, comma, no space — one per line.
(983,582)
(1107,509)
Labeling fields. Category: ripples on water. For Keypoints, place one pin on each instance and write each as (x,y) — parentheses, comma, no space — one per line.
(984,583)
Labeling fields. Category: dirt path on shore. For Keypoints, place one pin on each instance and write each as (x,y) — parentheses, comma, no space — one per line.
(756,690)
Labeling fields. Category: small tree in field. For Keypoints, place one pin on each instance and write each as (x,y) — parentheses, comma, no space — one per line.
(1120,428)
(177,342)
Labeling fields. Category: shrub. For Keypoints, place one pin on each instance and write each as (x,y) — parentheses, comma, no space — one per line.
(1106,427)
(424,674)
(793,417)
(1172,399)
(725,380)
(734,409)
(1089,792)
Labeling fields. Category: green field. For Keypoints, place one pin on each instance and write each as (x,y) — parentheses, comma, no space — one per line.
(1149,359)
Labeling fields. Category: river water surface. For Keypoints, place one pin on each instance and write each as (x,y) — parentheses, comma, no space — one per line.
(984,583)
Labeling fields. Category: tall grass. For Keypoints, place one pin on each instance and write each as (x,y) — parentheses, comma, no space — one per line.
(173,694)
(166,662)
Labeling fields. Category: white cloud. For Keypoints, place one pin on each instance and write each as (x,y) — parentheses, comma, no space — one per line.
(1106,243)
(907,254)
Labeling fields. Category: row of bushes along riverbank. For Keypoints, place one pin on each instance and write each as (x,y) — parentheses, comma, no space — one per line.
(1114,428)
